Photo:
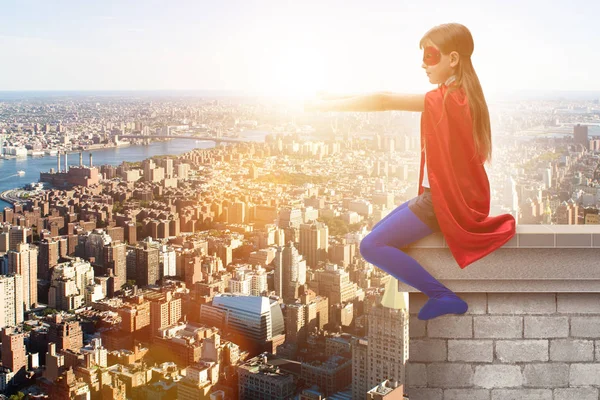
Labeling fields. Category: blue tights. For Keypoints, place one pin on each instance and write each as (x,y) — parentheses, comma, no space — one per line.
(382,247)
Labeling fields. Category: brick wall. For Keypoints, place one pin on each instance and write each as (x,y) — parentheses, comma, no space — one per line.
(509,346)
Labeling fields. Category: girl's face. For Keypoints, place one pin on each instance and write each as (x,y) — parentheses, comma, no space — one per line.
(439,67)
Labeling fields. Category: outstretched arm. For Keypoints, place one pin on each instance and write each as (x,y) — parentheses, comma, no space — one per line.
(380,101)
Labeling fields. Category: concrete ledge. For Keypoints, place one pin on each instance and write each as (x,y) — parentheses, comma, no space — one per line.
(540,258)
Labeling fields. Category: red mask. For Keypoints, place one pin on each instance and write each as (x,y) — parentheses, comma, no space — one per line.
(431,56)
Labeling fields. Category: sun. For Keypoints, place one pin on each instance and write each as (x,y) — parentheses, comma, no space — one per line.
(296,72)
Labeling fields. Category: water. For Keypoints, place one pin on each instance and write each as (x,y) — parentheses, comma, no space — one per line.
(113,156)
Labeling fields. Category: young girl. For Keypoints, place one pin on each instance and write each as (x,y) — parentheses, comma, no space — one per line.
(454,192)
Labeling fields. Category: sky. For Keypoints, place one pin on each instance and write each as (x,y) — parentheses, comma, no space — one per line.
(290,47)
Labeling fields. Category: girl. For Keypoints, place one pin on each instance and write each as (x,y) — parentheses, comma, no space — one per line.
(454,193)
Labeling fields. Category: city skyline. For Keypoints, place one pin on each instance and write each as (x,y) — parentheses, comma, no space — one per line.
(277,48)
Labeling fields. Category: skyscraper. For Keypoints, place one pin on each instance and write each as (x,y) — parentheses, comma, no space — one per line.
(11,300)
(23,261)
(13,350)
(115,258)
(384,353)
(17,234)
(314,242)
(147,264)
(580,134)
(290,271)
(47,257)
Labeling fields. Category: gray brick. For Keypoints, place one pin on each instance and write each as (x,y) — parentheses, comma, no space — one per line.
(449,375)
(578,303)
(571,350)
(424,394)
(546,327)
(462,394)
(497,376)
(471,350)
(597,342)
(585,327)
(585,375)
(416,375)
(452,327)
(548,375)
(522,394)
(477,302)
(416,327)
(512,351)
(428,350)
(586,393)
(521,303)
(495,327)
(416,301)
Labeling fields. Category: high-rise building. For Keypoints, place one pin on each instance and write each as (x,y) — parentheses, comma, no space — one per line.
(11,300)
(254,320)
(14,356)
(48,257)
(65,331)
(17,234)
(94,245)
(237,213)
(165,310)
(334,283)
(580,135)
(70,281)
(115,258)
(383,354)
(290,271)
(147,263)
(290,217)
(23,261)
(314,242)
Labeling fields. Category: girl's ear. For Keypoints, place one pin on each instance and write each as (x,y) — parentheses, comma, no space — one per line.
(454,58)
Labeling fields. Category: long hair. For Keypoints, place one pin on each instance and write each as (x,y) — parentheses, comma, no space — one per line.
(456,37)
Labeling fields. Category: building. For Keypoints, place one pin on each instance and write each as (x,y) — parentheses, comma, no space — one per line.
(260,380)
(387,390)
(314,242)
(11,300)
(290,271)
(14,356)
(383,354)
(255,322)
(331,375)
(65,331)
(580,135)
(23,261)
(333,283)
(70,282)
(115,258)
(147,265)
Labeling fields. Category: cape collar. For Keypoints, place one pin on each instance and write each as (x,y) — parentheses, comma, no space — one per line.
(450,80)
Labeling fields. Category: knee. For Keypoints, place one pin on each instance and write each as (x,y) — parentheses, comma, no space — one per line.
(368,246)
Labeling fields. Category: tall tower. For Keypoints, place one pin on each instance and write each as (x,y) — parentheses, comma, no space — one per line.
(314,242)
(580,135)
(290,271)
(384,353)
(23,261)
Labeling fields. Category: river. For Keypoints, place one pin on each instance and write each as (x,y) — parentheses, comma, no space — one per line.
(112,156)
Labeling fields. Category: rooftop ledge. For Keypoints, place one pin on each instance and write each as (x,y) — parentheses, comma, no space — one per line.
(539,258)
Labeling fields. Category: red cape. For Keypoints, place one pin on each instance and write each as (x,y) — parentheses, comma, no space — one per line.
(460,190)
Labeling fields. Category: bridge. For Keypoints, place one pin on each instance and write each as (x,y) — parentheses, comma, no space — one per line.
(207,138)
